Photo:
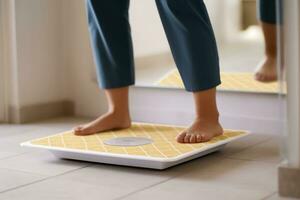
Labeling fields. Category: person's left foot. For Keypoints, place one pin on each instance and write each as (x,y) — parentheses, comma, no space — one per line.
(200,131)
(266,71)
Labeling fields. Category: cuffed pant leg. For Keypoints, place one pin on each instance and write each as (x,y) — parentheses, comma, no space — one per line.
(111,42)
(270,11)
(193,45)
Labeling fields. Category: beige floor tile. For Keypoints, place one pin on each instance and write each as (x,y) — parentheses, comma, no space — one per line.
(198,191)
(103,182)
(10,144)
(6,154)
(12,135)
(268,151)
(10,179)
(40,162)
(216,178)
(244,143)
(12,130)
(11,147)
(277,197)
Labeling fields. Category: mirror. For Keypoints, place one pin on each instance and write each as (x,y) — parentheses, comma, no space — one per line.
(239,36)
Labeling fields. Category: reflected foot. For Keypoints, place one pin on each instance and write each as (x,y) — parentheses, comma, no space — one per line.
(266,71)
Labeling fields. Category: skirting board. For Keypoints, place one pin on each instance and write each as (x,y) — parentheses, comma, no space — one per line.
(36,112)
(259,113)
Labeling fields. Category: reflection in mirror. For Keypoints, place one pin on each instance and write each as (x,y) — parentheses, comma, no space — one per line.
(245,31)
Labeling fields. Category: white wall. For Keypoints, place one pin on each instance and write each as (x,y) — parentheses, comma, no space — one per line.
(78,60)
(33,64)
(39,51)
(147,31)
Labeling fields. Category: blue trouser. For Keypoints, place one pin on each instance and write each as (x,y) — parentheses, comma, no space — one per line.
(188,29)
(268,11)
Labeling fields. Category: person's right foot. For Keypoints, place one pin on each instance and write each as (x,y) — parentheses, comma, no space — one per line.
(200,131)
(106,122)
(266,70)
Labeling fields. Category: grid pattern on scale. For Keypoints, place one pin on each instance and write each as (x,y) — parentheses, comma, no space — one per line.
(164,144)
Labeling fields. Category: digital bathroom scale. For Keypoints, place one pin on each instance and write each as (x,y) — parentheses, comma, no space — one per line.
(142,145)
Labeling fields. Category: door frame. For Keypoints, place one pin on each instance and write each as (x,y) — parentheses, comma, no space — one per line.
(292,64)
(2,65)
(8,57)
(289,169)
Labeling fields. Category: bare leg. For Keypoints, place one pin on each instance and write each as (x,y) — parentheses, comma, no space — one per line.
(206,125)
(117,116)
(266,70)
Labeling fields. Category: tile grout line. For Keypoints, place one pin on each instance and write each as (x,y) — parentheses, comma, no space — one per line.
(229,156)
(41,180)
(12,156)
(25,172)
(249,160)
(150,186)
(248,147)
(164,181)
(268,196)
(145,188)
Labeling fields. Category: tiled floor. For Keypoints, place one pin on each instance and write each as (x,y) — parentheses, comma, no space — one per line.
(245,169)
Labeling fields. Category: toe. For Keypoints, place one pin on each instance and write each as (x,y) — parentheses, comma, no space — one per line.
(85,131)
(193,139)
(259,77)
(264,78)
(187,138)
(198,138)
(180,137)
(78,129)
(205,138)
(256,76)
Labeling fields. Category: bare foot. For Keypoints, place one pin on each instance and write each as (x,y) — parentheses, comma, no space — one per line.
(266,71)
(108,121)
(200,131)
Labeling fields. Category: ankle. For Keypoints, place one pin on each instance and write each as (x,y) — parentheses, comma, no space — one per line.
(208,119)
(271,56)
(119,113)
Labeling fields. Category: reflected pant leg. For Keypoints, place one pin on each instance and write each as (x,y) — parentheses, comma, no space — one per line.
(111,42)
(192,41)
(267,11)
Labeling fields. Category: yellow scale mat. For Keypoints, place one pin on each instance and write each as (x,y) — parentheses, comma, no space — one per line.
(231,81)
(164,144)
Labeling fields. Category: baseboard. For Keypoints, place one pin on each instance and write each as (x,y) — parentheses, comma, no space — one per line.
(259,113)
(30,113)
(255,125)
(289,182)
